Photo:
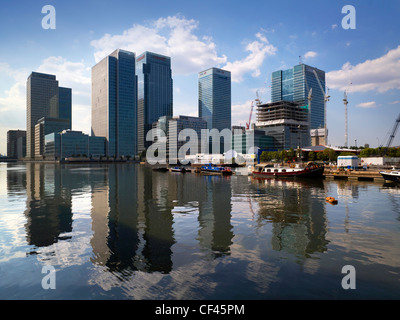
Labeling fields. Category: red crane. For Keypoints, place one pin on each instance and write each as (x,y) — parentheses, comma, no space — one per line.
(251,112)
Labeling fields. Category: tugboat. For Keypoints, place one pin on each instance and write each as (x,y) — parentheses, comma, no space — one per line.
(311,170)
(210,169)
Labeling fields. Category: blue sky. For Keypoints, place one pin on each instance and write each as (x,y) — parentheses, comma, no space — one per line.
(250,38)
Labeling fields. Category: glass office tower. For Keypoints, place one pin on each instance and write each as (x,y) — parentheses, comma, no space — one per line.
(215,98)
(154,93)
(65,105)
(291,85)
(215,103)
(114,104)
(43,100)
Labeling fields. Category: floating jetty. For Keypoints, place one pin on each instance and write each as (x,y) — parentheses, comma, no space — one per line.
(354,175)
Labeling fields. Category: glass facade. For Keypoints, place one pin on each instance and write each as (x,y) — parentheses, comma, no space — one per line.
(13,136)
(46,126)
(155,93)
(215,98)
(65,105)
(114,104)
(291,85)
(244,142)
(59,145)
(175,127)
(44,98)
(215,102)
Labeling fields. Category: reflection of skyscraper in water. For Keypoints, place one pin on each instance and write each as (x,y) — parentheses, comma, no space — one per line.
(298,217)
(122,218)
(48,207)
(158,232)
(131,230)
(215,230)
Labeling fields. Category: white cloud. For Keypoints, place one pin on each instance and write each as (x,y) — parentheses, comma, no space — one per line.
(381,74)
(171,36)
(310,54)
(73,75)
(175,37)
(258,49)
(68,73)
(334,26)
(395,102)
(370,104)
(241,113)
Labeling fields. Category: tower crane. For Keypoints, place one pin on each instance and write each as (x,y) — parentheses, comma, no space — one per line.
(393,132)
(345,101)
(251,112)
(258,102)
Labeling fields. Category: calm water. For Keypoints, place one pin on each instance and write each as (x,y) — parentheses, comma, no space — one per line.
(126,232)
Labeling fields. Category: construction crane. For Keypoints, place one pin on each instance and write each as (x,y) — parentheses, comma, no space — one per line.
(326,99)
(345,101)
(309,98)
(251,112)
(393,132)
(258,102)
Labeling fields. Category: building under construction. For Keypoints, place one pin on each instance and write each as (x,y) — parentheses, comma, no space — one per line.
(287,122)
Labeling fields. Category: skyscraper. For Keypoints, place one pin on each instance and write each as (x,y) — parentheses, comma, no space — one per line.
(154,92)
(294,84)
(215,98)
(14,150)
(43,100)
(114,104)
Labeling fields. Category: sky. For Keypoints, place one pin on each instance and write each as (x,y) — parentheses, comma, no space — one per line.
(249,38)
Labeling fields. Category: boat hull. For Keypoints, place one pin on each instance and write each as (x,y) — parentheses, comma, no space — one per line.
(390,177)
(217,172)
(316,173)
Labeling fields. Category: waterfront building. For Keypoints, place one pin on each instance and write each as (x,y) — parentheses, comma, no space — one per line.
(114,104)
(154,92)
(46,126)
(60,145)
(65,105)
(176,126)
(215,98)
(43,99)
(16,144)
(286,122)
(215,102)
(294,85)
(249,141)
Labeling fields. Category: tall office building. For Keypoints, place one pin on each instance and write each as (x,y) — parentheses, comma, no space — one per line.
(154,92)
(215,98)
(215,103)
(16,144)
(114,104)
(43,100)
(294,84)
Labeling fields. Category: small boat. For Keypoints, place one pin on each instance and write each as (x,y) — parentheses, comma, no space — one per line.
(310,171)
(161,169)
(210,169)
(179,169)
(391,176)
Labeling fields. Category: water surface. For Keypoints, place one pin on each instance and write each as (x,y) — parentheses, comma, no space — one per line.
(126,232)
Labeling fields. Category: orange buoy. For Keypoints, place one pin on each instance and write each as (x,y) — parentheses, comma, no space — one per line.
(331,200)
